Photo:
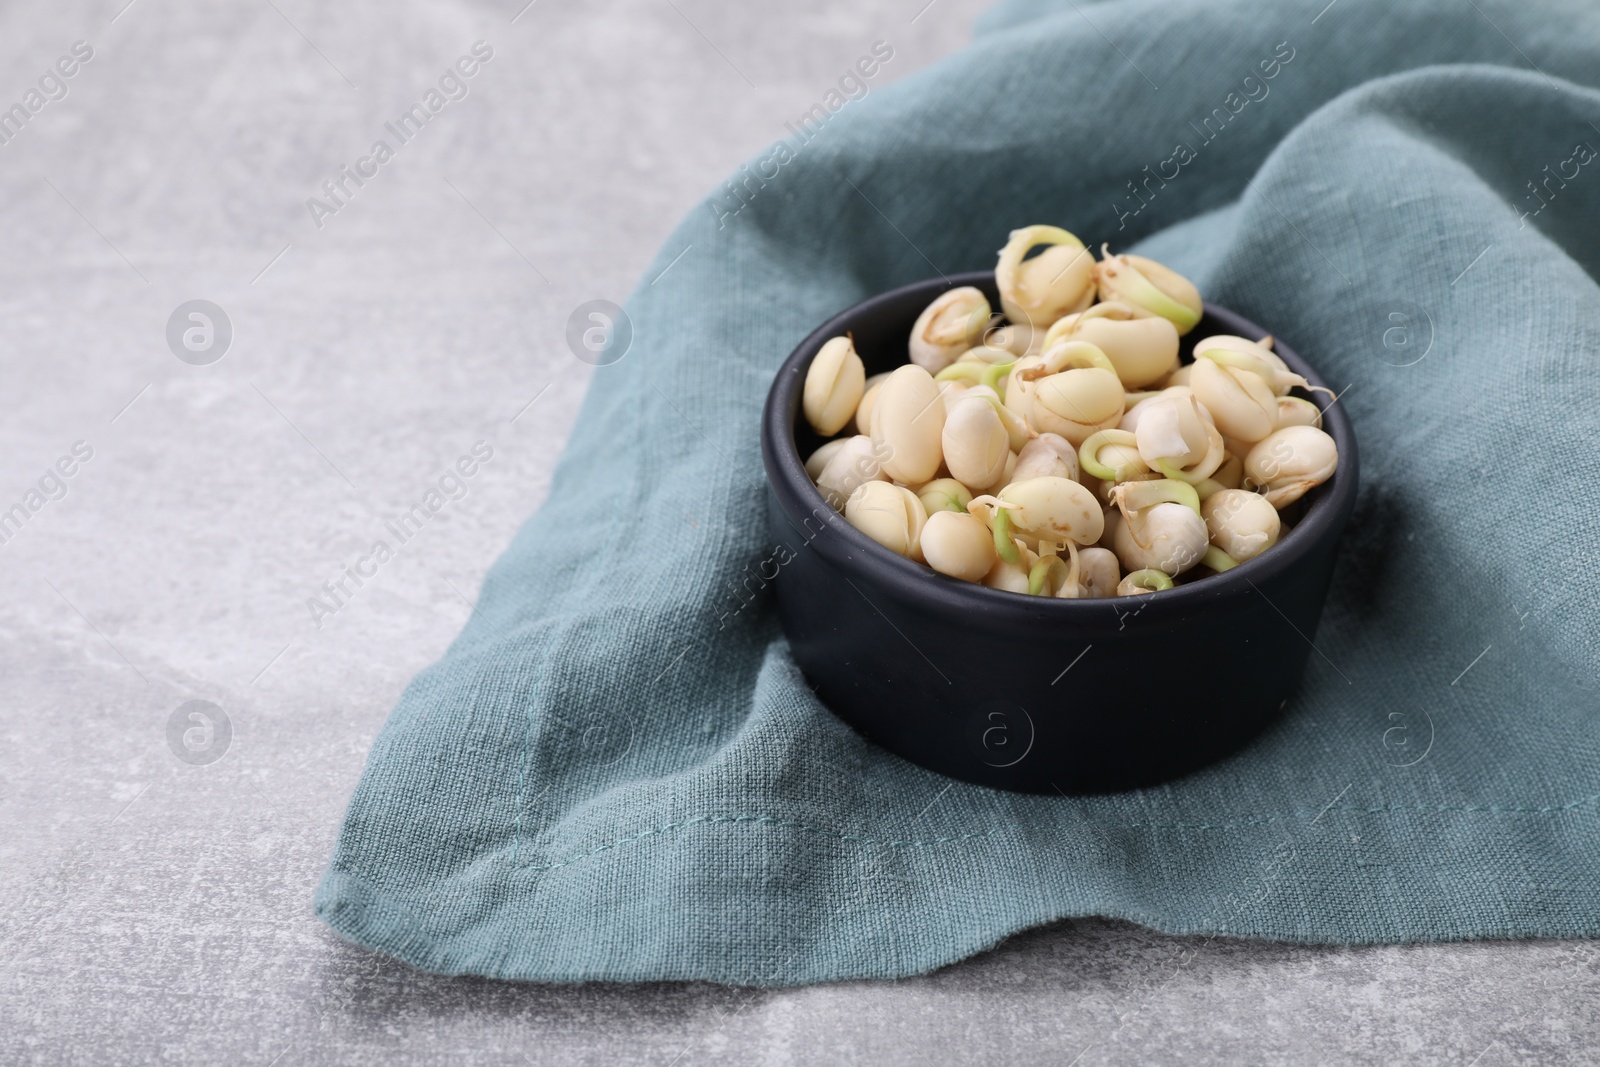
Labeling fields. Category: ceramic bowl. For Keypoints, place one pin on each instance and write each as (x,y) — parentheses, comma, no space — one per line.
(1033,693)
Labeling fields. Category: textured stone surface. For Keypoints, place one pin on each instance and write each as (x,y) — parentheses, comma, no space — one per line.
(158,910)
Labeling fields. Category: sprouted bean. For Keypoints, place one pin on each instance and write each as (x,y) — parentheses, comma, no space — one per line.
(1241,523)
(948,327)
(858,461)
(1058,281)
(1289,463)
(975,442)
(945,494)
(908,422)
(1142,350)
(1062,450)
(958,544)
(891,515)
(834,384)
(1045,455)
(1148,288)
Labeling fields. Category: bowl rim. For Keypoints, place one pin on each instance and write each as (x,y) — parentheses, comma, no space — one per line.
(854,553)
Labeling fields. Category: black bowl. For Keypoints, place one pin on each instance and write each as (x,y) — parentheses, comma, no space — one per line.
(1034,693)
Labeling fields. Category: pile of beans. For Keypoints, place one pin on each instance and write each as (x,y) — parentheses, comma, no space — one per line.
(1060,448)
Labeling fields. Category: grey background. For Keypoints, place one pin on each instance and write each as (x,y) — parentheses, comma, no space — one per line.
(153,909)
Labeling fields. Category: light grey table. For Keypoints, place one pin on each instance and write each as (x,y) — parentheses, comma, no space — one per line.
(158,910)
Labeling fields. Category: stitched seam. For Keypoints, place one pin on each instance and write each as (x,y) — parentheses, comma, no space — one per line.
(822,831)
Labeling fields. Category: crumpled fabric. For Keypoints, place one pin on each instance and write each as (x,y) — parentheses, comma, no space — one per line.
(617,772)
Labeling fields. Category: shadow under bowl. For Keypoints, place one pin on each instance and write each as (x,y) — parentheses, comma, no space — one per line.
(1029,693)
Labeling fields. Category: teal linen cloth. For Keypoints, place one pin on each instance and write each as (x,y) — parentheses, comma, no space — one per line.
(617,772)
